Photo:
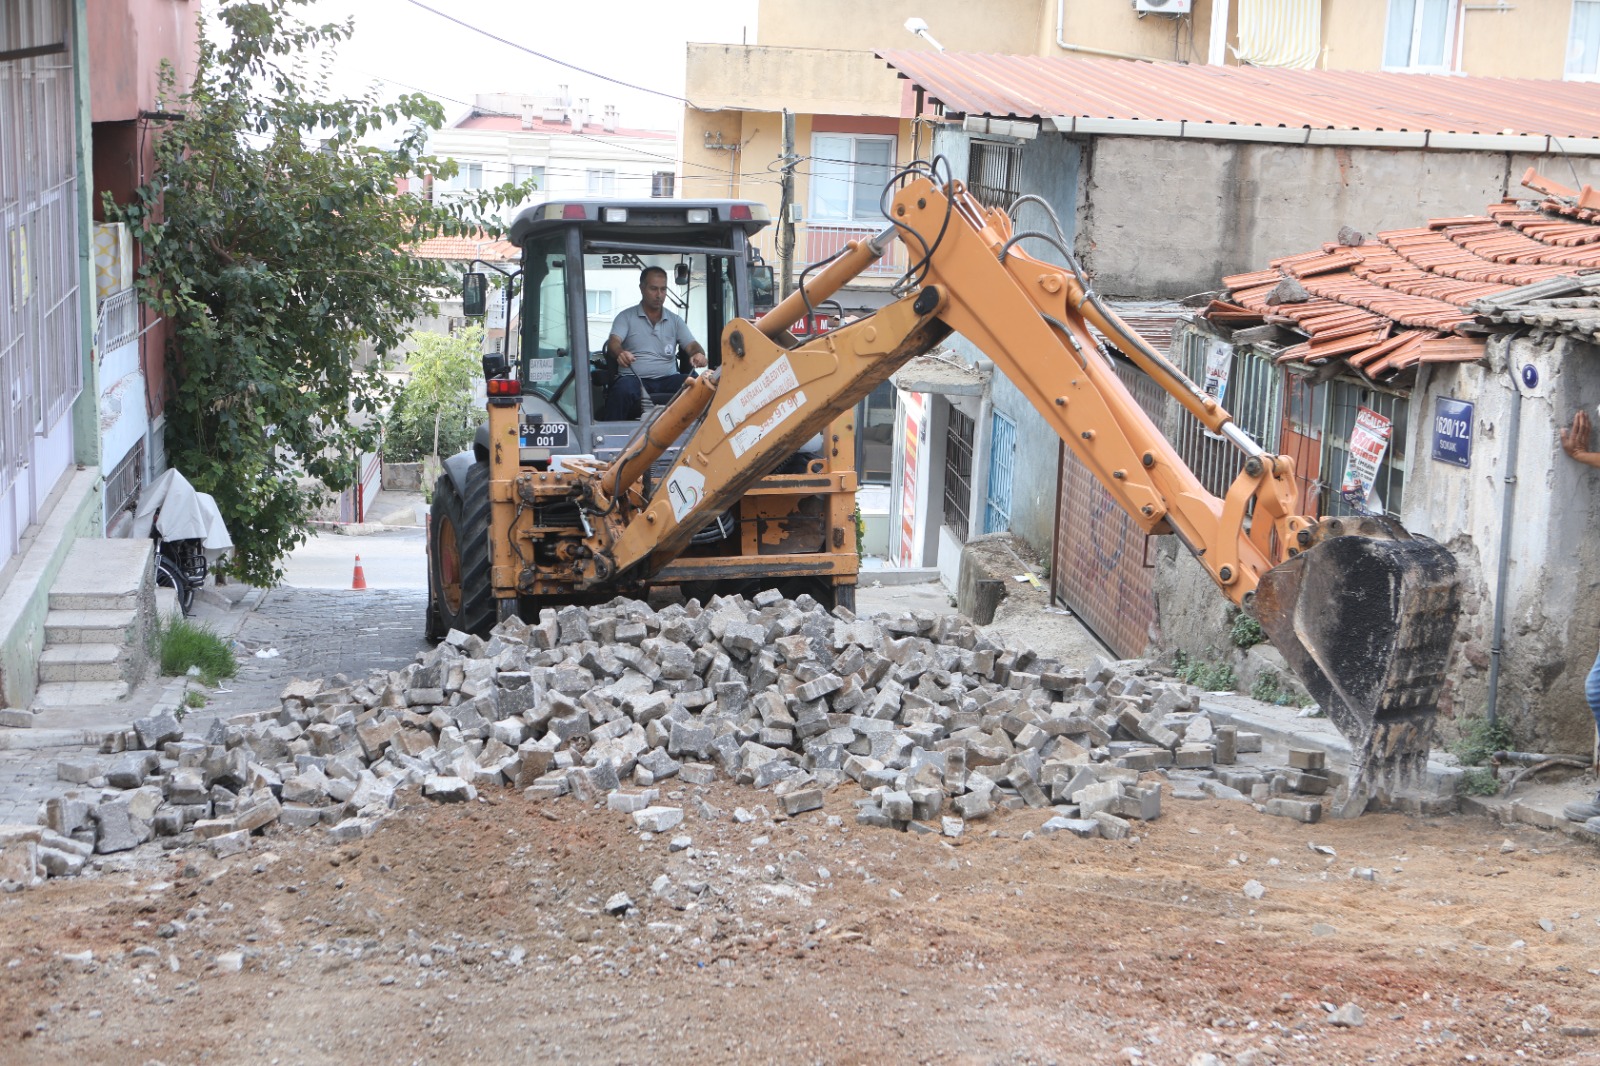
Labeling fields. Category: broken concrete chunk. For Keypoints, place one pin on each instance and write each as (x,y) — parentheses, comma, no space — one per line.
(658,819)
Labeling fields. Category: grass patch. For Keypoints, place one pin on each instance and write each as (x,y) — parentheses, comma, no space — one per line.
(1478,781)
(186,644)
(1479,740)
(1212,677)
(195,700)
(1269,688)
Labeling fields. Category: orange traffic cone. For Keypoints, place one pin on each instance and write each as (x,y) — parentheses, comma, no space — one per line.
(358,580)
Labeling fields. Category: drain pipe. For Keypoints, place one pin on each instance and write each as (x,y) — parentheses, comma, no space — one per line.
(1061,40)
(1509,477)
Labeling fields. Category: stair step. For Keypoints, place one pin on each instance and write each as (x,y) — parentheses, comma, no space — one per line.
(81,662)
(90,627)
(102,574)
(57,694)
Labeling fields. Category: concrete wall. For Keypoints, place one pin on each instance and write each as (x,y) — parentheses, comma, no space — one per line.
(128,40)
(1143,233)
(25,595)
(1552,628)
(1009,26)
(1526,40)
(821,80)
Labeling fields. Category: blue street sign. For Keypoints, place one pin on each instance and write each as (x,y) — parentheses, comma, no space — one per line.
(1452,431)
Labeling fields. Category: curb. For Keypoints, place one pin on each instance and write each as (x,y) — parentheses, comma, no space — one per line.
(894,577)
(1516,812)
(1441,779)
(358,529)
(34,739)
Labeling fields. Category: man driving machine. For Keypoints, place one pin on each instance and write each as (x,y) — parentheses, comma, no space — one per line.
(644,343)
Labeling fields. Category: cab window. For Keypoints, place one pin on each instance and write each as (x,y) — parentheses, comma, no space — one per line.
(547,364)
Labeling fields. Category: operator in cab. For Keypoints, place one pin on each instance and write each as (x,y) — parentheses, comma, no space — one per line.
(644,342)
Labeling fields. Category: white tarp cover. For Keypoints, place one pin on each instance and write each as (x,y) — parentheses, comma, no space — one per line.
(184,514)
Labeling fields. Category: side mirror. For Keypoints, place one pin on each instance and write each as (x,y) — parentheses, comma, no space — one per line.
(680,274)
(494,365)
(474,295)
(761,291)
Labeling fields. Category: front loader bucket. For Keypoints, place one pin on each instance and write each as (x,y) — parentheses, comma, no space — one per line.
(1365,617)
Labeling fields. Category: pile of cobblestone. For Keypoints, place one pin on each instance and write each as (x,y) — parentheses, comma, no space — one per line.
(936,723)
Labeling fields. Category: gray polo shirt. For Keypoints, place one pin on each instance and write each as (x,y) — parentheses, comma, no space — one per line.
(656,345)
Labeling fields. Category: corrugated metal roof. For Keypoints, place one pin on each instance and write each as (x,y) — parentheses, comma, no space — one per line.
(1386,304)
(1002,86)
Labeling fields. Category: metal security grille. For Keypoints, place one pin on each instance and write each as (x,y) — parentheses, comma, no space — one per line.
(958,473)
(992,173)
(1253,395)
(119,322)
(122,488)
(40,344)
(1002,462)
(1344,399)
(1099,566)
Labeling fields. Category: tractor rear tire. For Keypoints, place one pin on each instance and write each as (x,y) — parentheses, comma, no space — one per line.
(459,591)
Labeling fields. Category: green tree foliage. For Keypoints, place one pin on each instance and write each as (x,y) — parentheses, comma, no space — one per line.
(437,413)
(275,243)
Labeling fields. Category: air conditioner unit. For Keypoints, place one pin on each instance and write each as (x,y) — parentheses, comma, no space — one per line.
(1162,7)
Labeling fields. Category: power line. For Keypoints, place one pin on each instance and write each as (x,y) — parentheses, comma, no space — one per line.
(576,133)
(552,59)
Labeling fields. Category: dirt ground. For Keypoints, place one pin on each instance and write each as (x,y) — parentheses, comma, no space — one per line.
(479,932)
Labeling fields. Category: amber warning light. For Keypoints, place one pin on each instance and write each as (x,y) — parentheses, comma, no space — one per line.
(505,387)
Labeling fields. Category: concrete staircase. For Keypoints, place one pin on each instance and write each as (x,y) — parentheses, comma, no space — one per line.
(99,627)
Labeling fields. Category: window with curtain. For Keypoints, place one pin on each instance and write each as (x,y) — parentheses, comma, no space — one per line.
(1420,35)
(1583,42)
(847,175)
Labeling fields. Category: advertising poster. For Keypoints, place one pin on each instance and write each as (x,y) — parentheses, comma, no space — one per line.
(1369,440)
(914,406)
(1219,361)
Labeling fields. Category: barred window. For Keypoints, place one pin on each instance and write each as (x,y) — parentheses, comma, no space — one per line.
(661,184)
(992,173)
(958,472)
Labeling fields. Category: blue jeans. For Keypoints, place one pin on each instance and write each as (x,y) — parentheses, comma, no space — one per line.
(625,400)
(1591,690)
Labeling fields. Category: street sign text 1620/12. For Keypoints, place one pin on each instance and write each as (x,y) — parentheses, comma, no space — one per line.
(1452,431)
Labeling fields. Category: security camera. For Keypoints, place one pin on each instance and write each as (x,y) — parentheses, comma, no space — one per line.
(920,28)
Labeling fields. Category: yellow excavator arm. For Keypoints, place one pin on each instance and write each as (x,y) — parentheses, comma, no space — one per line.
(1370,642)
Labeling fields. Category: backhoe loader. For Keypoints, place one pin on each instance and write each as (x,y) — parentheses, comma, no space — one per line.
(1363,612)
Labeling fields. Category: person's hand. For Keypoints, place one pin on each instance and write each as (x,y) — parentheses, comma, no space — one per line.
(698,359)
(1575,440)
(625,358)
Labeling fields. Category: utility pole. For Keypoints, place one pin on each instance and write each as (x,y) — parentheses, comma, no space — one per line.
(786,209)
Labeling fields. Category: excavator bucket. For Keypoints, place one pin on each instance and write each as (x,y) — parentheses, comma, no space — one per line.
(1365,617)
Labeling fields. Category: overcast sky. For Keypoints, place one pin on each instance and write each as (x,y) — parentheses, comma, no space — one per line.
(637,41)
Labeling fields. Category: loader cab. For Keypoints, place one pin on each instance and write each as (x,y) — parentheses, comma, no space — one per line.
(581,265)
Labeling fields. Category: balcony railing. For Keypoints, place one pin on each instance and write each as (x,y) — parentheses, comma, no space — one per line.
(815,241)
(119,321)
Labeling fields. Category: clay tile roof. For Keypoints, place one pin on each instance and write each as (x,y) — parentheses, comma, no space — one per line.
(465,249)
(1426,295)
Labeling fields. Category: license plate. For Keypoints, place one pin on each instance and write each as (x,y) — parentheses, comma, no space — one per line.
(545,435)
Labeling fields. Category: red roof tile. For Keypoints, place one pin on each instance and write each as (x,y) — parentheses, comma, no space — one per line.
(513,123)
(1407,296)
(466,249)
